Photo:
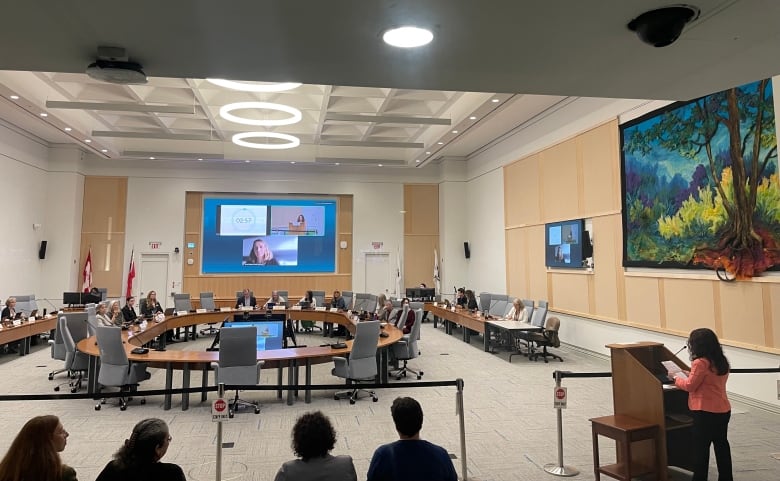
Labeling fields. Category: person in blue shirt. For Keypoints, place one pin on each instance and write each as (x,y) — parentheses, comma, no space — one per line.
(410,458)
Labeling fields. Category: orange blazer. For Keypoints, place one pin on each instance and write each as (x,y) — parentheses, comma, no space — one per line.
(706,390)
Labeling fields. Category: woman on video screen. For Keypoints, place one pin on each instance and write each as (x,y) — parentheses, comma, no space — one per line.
(261,254)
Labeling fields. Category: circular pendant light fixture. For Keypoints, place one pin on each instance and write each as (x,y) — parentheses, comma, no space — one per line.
(226,113)
(292,141)
(254,86)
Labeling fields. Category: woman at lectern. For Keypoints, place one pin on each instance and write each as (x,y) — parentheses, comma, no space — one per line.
(139,457)
(708,402)
(35,452)
(261,254)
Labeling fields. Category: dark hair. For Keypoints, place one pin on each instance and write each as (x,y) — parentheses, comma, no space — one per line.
(309,296)
(141,448)
(703,343)
(33,454)
(313,436)
(407,415)
(470,294)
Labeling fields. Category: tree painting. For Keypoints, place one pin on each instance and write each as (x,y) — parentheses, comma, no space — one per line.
(700,184)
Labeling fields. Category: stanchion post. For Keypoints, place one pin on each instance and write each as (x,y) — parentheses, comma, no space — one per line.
(459,406)
(560,469)
(218,471)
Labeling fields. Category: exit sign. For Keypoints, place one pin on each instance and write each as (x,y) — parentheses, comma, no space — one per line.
(155,244)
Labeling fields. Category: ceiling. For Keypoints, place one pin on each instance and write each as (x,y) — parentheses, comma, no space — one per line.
(362,101)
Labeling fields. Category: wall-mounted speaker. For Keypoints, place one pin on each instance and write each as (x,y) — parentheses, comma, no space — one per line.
(587,245)
(42,250)
(466,250)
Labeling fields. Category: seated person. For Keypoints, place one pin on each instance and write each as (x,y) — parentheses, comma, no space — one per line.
(517,313)
(246,300)
(313,437)
(386,312)
(35,452)
(10,309)
(312,303)
(410,457)
(472,300)
(151,307)
(274,299)
(338,301)
(129,310)
(260,255)
(461,300)
(139,456)
(309,297)
(103,318)
(404,319)
(115,313)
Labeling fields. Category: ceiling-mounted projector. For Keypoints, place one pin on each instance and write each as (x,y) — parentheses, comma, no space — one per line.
(113,66)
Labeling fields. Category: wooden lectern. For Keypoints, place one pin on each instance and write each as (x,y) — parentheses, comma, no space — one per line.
(638,392)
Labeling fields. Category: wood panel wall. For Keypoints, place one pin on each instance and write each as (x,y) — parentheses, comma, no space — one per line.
(580,178)
(421,233)
(103,230)
(225,286)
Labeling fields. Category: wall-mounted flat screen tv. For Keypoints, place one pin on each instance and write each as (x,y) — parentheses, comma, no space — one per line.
(563,244)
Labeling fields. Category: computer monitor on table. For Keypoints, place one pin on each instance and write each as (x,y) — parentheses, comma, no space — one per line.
(420,293)
(79,298)
(270,333)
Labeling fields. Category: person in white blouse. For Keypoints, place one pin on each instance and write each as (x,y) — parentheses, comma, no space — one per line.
(103,317)
(517,313)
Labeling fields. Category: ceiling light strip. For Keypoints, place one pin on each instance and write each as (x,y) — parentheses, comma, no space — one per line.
(386,119)
(122,107)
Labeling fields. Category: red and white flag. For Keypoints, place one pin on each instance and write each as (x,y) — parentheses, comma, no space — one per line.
(130,275)
(87,285)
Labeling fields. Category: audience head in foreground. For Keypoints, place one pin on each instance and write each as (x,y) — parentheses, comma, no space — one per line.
(34,453)
(410,457)
(313,438)
(139,457)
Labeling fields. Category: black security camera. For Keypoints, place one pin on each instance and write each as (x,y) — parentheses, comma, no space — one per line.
(663,26)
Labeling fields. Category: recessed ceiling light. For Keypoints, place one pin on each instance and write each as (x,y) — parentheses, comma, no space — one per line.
(380,165)
(246,161)
(151,158)
(200,158)
(254,86)
(294,118)
(14,97)
(338,163)
(67,129)
(44,114)
(418,161)
(454,131)
(104,150)
(87,141)
(407,37)
(292,161)
(427,153)
(440,143)
(495,101)
(472,118)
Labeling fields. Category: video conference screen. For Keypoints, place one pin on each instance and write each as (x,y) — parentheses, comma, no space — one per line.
(270,334)
(243,235)
(563,244)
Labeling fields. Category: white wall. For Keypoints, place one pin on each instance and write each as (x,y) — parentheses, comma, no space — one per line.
(453,227)
(485,232)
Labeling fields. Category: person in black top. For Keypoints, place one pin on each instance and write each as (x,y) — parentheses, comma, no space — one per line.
(338,301)
(151,307)
(10,309)
(461,299)
(472,300)
(139,457)
(129,310)
(246,299)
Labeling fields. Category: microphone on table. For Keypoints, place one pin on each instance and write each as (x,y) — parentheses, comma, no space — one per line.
(680,350)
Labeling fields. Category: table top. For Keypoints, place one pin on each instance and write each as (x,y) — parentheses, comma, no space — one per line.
(514,325)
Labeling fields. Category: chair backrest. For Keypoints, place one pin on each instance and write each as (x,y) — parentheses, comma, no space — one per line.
(538,317)
(529,309)
(362,301)
(103,293)
(348,298)
(509,304)
(396,303)
(58,347)
(365,344)
(542,303)
(371,303)
(319,296)
(77,327)
(498,304)
(416,305)
(551,328)
(285,295)
(92,319)
(241,294)
(484,301)
(207,301)
(182,302)
(24,303)
(112,351)
(238,347)
(415,333)
(67,339)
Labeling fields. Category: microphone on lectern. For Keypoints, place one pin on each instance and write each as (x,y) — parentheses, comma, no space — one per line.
(680,350)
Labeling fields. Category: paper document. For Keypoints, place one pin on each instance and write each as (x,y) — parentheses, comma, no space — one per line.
(674,370)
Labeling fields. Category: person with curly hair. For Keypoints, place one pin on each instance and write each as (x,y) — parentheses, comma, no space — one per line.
(139,457)
(35,452)
(313,438)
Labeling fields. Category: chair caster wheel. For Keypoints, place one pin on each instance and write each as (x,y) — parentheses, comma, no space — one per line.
(230,414)
(257,410)
(57,389)
(73,390)
(51,377)
(335,398)
(419,376)
(352,401)
(374,398)
(143,401)
(421,373)
(123,408)
(97,407)
(398,378)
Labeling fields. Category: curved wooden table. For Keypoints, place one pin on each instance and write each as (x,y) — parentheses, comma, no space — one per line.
(291,358)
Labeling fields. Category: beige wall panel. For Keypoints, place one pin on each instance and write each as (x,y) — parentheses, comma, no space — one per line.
(225,287)
(600,169)
(642,301)
(570,291)
(521,192)
(418,259)
(194,254)
(558,166)
(345,214)
(517,268)
(193,208)
(344,256)
(773,300)
(689,304)
(421,203)
(607,271)
(537,281)
(108,261)
(742,308)
(105,204)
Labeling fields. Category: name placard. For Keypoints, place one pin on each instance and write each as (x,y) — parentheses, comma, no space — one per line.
(295,308)
(280,308)
(334,309)
(200,311)
(181,313)
(322,308)
(225,309)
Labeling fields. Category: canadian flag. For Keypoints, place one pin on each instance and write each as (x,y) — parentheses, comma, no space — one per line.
(130,275)
(87,273)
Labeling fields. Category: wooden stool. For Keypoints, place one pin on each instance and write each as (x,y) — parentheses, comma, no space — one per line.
(624,430)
